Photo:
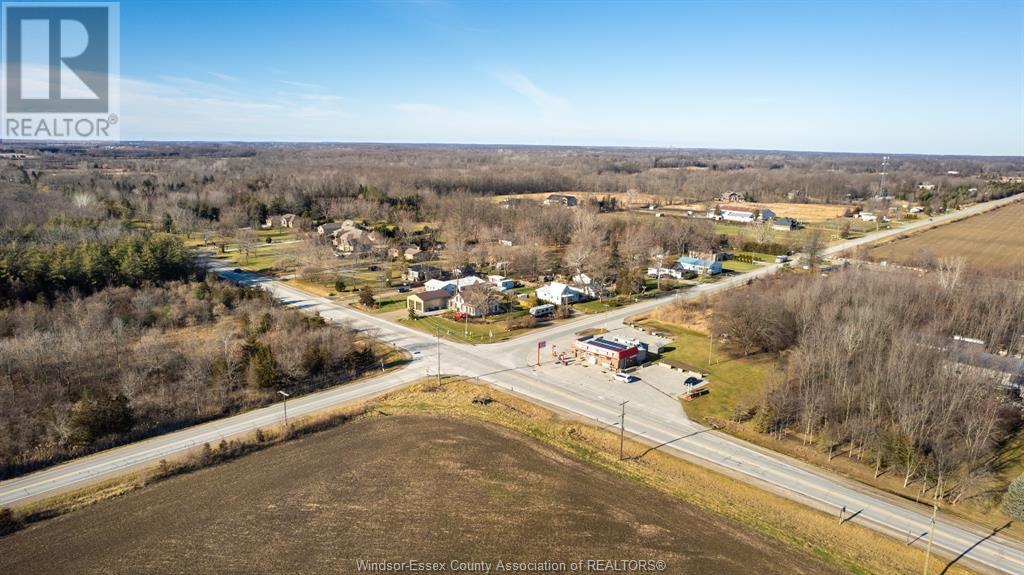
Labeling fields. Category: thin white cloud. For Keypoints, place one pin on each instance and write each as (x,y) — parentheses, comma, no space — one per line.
(303,85)
(519,83)
(224,77)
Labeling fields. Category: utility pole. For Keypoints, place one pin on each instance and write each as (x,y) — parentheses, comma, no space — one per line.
(285,405)
(931,534)
(711,342)
(438,336)
(622,429)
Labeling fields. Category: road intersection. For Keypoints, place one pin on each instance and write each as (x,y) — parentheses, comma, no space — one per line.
(509,365)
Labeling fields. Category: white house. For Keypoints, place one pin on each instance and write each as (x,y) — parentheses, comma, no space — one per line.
(558,293)
(741,214)
(501,282)
(697,265)
(867,216)
(453,286)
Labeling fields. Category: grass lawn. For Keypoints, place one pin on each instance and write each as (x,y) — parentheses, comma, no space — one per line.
(456,330)
(738,267)
(598,306)
(263,260)
(390,304)
(734,381)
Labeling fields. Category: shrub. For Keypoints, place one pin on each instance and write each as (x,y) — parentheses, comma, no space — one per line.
(94,417)
(1013,499)
(262,372)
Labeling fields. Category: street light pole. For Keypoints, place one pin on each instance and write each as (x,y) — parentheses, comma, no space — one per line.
(931,535)
(622,428)
(285,405)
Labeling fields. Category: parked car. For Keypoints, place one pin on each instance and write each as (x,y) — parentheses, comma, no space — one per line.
(402,289)
(623,377)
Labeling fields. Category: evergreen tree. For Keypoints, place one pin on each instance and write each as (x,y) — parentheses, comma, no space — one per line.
(1013,499)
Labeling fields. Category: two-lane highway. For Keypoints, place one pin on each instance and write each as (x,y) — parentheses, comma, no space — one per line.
(506,365)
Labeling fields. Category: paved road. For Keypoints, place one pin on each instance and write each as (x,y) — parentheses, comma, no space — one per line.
(507,365)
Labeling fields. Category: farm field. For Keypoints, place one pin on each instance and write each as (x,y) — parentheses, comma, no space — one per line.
(992,242)
(808,213)
(393,488)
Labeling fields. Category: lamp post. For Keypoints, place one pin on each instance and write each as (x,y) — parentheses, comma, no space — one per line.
(285,405)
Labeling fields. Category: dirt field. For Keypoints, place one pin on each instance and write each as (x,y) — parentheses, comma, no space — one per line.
(992,242)
(400,487)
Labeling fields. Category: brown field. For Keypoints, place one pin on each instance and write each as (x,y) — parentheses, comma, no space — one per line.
(992,242)
(807,213)
(630,199)
(411,486)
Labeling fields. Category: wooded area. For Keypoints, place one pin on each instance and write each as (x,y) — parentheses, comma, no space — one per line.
(85,373)
(878,368)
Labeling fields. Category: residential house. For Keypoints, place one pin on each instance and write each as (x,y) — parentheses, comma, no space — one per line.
(559,293)
(355,240)
(732,197)
(415,254)
(926,186)
(508,203)
(328,229)
(785,224)
(507,243)
(428,301)
(741,214)
(867,216)
(665,273)
(560,200)
(453,286)
(697,265)
(501,282)
(460,302)
(282,221)
(590,286)
(421,273)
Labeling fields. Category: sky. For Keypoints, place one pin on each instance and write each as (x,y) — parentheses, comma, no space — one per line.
(922,77)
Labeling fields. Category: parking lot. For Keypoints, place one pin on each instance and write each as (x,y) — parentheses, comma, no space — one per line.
(654,388)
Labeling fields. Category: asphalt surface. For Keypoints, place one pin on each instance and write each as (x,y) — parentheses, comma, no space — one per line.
(508,365)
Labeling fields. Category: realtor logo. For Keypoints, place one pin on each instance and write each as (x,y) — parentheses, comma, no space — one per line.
(60,71)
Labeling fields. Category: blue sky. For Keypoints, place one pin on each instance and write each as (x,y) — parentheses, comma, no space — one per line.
(920,77)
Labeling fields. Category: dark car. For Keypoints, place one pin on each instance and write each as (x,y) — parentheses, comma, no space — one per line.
(403,289)
(237,270)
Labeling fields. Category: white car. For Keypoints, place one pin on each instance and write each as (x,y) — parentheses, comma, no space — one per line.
(623,377)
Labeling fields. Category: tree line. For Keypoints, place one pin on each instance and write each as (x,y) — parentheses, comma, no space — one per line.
(874,370)
(87,372)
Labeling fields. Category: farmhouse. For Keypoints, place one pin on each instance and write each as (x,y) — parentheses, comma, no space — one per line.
(741,214)
(428,301)
(559,293)
(560,200)
(596,350)
(701,266)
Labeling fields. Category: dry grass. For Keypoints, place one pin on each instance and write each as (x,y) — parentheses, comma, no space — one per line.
(991,242)
(807,213)
(851,547)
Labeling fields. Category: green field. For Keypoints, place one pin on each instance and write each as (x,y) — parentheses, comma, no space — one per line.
(734,381)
